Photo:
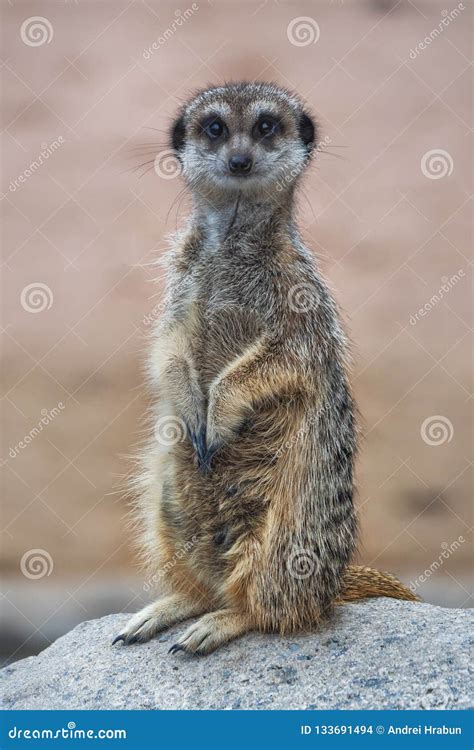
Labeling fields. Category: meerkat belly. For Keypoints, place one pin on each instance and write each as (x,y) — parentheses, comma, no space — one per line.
(209,513)
(221,318)
(212,512)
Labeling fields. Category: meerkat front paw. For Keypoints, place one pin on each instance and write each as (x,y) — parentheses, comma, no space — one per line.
(157,617)
(222,425)
(211,631)
(205,464)
(203,453)
(141,627)
(226,416)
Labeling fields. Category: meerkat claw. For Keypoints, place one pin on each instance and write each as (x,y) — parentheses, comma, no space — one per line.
(198,440)
(118,638)
(201,447)
(206,464)
(175,648)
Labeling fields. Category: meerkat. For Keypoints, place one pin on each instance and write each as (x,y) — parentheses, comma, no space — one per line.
(250,509)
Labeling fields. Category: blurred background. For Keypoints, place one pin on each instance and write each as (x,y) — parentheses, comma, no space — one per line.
(88,92)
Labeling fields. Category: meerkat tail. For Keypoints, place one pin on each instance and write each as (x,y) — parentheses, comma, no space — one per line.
(360,582)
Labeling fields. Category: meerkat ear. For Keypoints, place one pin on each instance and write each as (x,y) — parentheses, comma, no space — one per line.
(307,131)
(178,135)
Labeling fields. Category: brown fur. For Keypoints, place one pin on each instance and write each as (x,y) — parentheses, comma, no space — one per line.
(360,582)
(249,367)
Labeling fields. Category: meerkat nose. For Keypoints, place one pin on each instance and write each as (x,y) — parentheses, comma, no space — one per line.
(240,164)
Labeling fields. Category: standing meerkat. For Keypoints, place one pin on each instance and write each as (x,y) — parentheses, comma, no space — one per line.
(250,509)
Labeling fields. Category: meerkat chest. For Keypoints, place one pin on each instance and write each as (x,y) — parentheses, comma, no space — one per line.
(222,316)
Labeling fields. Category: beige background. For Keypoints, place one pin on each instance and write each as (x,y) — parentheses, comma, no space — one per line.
(86,226)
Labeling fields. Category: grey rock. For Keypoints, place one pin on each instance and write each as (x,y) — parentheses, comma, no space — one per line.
(376,654)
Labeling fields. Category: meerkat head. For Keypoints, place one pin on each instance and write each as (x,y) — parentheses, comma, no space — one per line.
(243,138)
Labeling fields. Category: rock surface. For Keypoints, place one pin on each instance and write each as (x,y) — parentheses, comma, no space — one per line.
(375,654)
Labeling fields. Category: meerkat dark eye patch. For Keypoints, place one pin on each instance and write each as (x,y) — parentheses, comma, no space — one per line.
(266,127)
(178,135)
(214,127)
(307,131)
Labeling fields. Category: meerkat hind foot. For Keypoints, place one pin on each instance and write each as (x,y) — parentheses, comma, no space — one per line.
(157,617)
(211,631)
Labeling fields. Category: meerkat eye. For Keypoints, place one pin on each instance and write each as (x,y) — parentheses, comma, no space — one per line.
(266,126)
(214,129)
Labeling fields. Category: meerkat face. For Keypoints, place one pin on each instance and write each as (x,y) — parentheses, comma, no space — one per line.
(250,137)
